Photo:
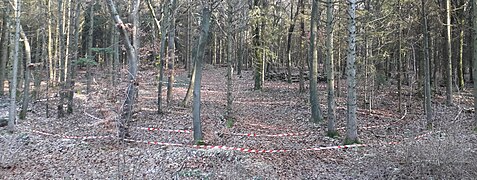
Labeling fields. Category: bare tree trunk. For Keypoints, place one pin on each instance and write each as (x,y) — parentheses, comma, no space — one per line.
(289,39)
(258,53)
(5,44)
(74,47)
(427,76)
(13,92)
(171,50)
(162,53)
(351,128)
(132,61)
(203,38)
(474,56)
(330,67)
(316,116)
(230,34)
(188,95)
(26,89)
(61,60)
(51,61)
(449,55)
(89,52)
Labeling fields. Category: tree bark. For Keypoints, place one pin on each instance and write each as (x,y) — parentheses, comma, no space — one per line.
(132,62)
(449,55)
(171,50)
(351,127)
(313,60)
(162,53)
(26,89)
(203,39)
(61,60)
(75,24)
(230,34)
(89,52)
(5,44)
(474,56)
(258,52)
(330,69)
(13,91)
(427,80)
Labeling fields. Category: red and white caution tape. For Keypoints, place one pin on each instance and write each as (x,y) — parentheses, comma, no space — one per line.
(166,130)
(154,142)
(273,135)
(72,137)
(423,135)
(336,147)
(239,149)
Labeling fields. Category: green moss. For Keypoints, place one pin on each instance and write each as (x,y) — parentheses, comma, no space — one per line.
(351,141)
(200,142)
(429,126)
(230,122)
(332,134)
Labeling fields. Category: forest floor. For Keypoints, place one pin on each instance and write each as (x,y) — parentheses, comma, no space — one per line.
(398,146)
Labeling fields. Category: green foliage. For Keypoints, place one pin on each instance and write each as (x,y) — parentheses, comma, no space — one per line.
(195,173)
(349,142)
(230,122)
(333,134)
(85,61)
(200,142)
(103,50)
(429,126)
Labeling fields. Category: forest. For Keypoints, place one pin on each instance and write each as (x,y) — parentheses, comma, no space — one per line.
(230,89)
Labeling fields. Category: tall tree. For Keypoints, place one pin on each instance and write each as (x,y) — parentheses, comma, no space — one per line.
(198,59)
(449,54)
(13,92)
(132,62)
(89,48)
(230,13)
(5,44)
(330,68)
(474,55)
(351,124)
(313,61)
(75,23)
(61,59)
(259,64)
(171,49)
(427,76)
(289,39)
(28,67)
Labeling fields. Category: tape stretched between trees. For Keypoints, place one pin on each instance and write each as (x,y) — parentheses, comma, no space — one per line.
(228,148)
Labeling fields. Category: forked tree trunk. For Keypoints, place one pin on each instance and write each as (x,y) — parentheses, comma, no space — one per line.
(188,95)
(26,90)
(199,58)
(132,61)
